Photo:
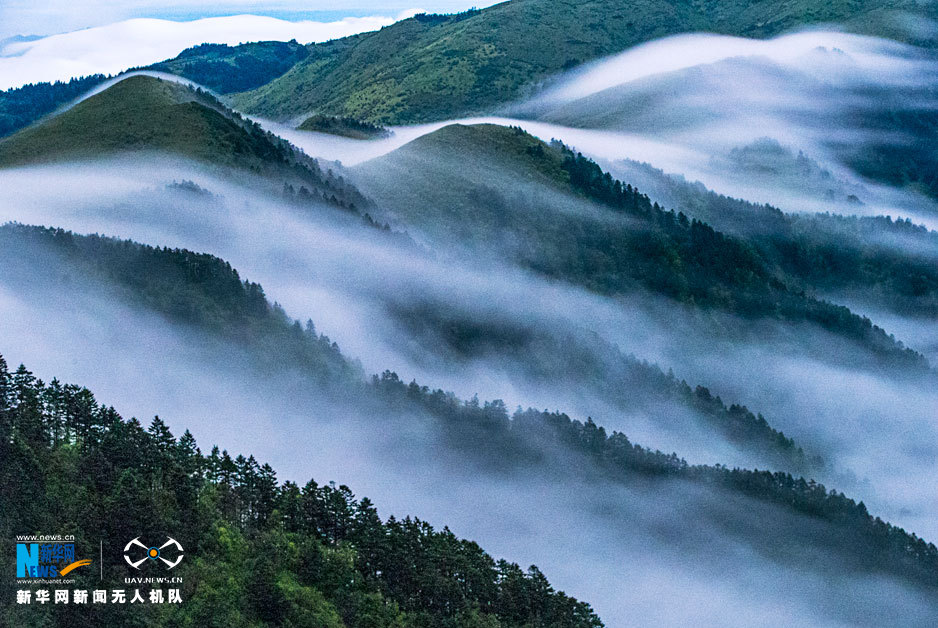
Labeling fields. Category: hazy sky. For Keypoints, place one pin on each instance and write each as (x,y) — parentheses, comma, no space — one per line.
(47,17)
(114,47)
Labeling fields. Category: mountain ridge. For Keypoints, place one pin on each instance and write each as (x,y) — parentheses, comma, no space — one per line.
(637,244)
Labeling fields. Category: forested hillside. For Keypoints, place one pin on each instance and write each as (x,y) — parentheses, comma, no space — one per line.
(203,291)
(257,552)
(486,204)
(885,261)
(862,542)
(225,69)
(187,288)
(317,551)
(345,127)
(207,294)
(20,107)
(701,395)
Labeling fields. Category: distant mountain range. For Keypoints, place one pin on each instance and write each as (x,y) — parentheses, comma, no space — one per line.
(404,245)
(433,67)
(750,272)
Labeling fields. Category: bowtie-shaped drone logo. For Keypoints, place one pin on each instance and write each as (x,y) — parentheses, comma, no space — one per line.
(153,553)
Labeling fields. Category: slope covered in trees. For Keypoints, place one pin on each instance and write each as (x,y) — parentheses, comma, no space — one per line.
(225,69)
(206,293)
(526,443)
(884,261)
(142,114)
(584,362)
(906,161)
(540,439)
(21,106)
(433,67)
(185,287)
(881,130)
(316,551)
(258,552)
(514,195)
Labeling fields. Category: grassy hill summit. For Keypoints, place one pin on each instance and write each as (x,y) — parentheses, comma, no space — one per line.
(433,67)
(137,113)
(484,145)
(143,114)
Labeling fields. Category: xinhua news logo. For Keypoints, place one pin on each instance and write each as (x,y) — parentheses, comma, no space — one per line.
(46,557)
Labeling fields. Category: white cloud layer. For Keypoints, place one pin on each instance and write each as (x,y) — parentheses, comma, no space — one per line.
(883,58)
(47,17)
(115,47)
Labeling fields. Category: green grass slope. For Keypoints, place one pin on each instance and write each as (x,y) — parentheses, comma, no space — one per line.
(433,67)
(138,113)
(142,114)
(223,69)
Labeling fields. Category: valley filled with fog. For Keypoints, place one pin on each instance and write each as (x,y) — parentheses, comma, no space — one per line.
(413,283)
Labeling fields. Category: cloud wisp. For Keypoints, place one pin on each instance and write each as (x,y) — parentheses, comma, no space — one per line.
(685,103)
